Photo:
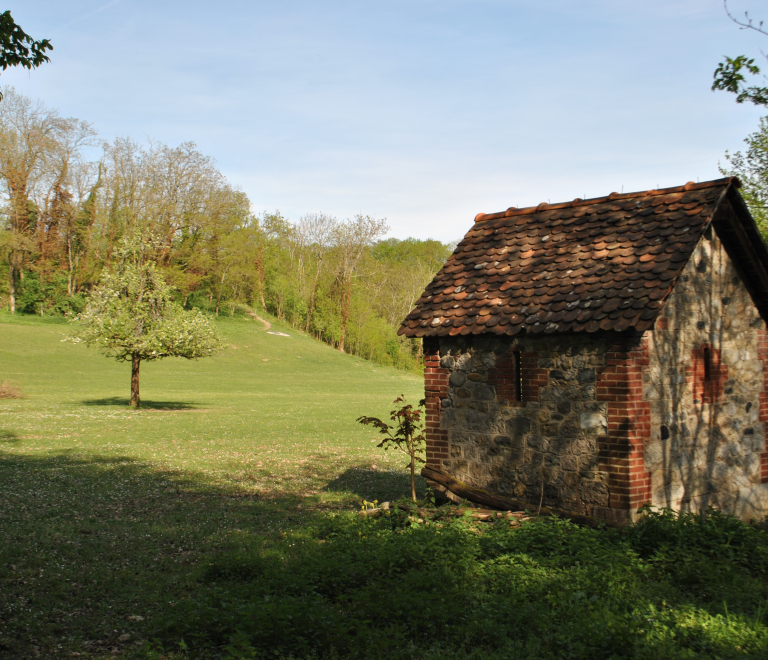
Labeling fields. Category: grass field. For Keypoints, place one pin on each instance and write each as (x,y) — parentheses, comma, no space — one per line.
(104,510)
(218,523)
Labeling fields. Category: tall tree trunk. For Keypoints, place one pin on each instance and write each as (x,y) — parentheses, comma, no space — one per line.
(312,297)
(70,272)
(346,304)
(259,263)
(12,286)
(135,366)
(221,288)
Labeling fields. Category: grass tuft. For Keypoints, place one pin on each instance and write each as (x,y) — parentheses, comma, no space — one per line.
(8,391)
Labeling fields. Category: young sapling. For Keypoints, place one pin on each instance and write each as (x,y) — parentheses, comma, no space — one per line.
(405,435)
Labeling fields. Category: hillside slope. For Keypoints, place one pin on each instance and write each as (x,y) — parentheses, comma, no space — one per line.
(267,399)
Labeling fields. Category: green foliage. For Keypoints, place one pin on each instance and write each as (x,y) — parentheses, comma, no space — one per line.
(406,435)
(132,313)
(686,538)
(17,48)
(729,77)
(752,170)
(65,217)
(48,295)
(451,587)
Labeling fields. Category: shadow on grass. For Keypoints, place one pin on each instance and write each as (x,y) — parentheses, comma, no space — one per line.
(381,485)
(9,436)
(95,545)
(145,404)
(97,549)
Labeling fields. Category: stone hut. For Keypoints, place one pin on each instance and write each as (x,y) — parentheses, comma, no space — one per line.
(610,351)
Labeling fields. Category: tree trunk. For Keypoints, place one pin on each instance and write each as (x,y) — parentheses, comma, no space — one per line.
(346,304)
(413,476)
(221,288)
(135,366)
(312,297)
(259,263)
(12,287)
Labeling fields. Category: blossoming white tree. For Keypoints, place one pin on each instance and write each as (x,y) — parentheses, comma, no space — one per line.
(131,315)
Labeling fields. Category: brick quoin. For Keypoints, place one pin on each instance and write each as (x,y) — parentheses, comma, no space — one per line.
(435,389)
(621,450)
(762,355)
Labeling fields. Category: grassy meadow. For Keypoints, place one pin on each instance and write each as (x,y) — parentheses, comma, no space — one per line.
(104,509)
(218,522)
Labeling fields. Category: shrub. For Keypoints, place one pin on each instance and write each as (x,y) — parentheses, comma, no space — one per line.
(392,587)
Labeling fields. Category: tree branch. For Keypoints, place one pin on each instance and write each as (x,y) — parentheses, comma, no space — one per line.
(748,25)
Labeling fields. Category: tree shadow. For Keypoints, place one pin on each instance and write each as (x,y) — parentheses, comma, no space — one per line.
(9,437)
(146,404)
(381,485)
(102,548)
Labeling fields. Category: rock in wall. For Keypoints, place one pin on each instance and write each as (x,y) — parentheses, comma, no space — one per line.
(706,385)
(548,441)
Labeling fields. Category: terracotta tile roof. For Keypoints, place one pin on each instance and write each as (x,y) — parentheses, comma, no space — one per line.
(597,264)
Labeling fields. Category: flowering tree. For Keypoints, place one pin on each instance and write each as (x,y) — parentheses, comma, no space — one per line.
(131,315)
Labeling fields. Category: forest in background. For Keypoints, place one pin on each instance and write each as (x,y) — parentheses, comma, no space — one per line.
(68,198)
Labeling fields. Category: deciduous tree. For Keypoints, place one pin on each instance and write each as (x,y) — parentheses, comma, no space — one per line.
(351,238)
(131,315)
(405,435)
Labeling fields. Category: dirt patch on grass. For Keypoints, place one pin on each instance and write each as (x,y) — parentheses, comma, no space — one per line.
(8,391)
(267,324)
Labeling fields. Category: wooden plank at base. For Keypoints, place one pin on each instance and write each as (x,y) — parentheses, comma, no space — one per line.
(501,502)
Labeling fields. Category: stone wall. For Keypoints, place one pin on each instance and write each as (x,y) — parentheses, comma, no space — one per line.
(609,421)
(549,439)
(707,440)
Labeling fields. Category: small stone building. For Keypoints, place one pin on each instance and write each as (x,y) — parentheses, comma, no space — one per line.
(611,351)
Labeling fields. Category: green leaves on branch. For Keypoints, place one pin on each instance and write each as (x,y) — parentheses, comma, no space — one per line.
(406,435)
(752,170)
(729,77)
(17,48)
(132,313)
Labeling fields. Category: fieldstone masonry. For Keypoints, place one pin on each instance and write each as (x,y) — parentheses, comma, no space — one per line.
(707,440)
(600,423)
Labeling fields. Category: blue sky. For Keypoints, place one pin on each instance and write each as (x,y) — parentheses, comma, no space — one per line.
(424,112)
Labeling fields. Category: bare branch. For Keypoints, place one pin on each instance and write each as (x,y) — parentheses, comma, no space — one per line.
(747,24)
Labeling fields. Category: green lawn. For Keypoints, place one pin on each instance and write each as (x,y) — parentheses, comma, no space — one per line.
(218,523)
(105,511)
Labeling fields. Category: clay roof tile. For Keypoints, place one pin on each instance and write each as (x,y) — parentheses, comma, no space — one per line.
(597,264)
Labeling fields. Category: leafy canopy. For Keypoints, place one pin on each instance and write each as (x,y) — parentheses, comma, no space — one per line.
(132,313)
(18,48)
(729,75)
(752,169)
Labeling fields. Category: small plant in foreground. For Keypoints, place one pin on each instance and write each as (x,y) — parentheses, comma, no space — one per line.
(406,435)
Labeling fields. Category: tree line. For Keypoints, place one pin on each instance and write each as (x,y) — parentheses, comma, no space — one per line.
(68,198)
